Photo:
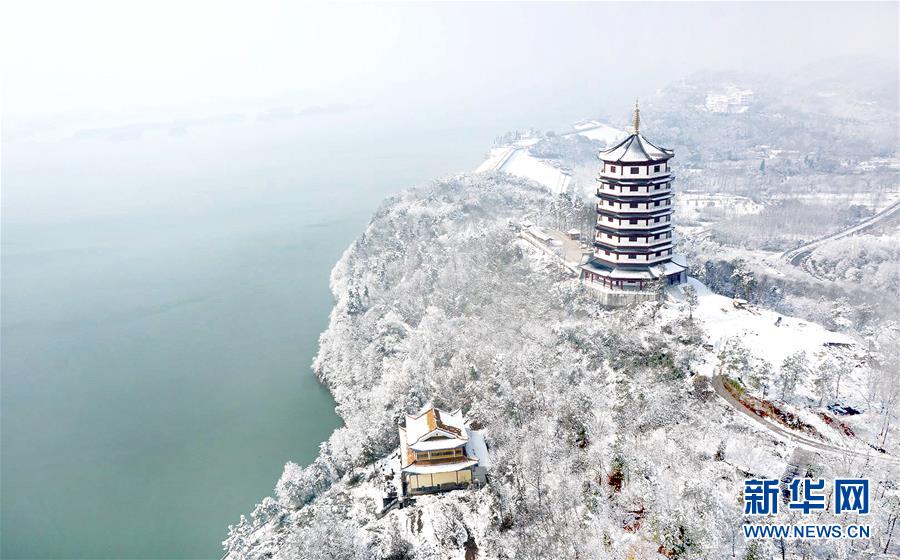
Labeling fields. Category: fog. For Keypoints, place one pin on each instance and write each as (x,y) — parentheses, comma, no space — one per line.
(89,63)
(179,178)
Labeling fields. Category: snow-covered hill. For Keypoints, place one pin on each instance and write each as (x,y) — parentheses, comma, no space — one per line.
(607,434)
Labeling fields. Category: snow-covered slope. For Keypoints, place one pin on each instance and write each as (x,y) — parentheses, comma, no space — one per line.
(517,160)
(607,439)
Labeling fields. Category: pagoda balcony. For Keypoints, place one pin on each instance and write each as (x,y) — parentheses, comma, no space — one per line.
(642,219)
(635,240)
(625,223)
(633,258)
(602,248)
(640,198)
(634,207)
(655,229)
(642,190)
(626,171)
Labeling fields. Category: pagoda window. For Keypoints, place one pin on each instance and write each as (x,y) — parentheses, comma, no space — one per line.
(632,256)
(632,221)
(655,220)
(635,170)
(656,169)
(656,203)
(612,168)
(633,205)
(609,235)
(609,218)
(656,236)
(656,187)
(658,253)
(632,239)
(633,189)
(606,252)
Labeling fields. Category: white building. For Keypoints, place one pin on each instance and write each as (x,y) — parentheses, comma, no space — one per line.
(732,100)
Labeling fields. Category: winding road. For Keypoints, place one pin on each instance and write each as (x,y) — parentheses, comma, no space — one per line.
(798,256)
(807,442)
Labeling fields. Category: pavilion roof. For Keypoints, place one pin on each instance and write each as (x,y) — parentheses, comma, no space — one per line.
(635,149)
(431,421)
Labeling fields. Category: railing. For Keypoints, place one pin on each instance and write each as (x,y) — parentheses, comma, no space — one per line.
(641,208)
(643,172)
(649,258)
(619,241)
(642,190)
(624,223)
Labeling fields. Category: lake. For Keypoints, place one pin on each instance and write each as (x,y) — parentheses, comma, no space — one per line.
(163,294)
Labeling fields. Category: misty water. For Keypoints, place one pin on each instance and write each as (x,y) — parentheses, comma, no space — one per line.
(163,292)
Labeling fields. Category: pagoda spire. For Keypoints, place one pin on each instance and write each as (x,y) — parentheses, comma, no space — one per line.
(637,117)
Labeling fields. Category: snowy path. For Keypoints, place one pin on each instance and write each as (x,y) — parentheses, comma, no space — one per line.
(498,158)
(809,443)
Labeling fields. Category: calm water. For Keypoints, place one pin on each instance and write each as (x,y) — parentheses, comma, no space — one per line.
(162,299)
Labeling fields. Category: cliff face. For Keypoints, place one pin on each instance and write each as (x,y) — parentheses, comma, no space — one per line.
(606,437)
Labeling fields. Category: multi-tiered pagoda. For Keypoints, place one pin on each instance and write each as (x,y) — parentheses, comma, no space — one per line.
(634,239)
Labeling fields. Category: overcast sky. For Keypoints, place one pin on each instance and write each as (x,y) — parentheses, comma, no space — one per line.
(124,61)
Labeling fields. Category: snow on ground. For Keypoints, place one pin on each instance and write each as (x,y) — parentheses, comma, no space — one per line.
(596,130)
(523,164)
(694,205)
(517,160)
(496,158)
(756,328)
(745,452)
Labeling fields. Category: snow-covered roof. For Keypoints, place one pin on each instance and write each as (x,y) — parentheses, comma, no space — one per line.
(628,274)
(620,273)
(432,444)
(433,429)
(431,423)
(635,149)
(476,447)
(680,260)
(675,265)
(539,234)
(425,468)
(669,267)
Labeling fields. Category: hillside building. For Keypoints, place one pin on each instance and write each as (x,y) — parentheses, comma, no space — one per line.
(634,238)
(438,452)
(731,100)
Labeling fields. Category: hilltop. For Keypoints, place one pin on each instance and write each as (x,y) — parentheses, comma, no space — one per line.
(605,429)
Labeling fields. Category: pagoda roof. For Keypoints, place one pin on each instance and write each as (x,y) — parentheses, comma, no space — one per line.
(647,272)
(635,149)
(433,429)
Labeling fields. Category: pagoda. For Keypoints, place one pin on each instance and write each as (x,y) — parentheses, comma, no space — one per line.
(634,239)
